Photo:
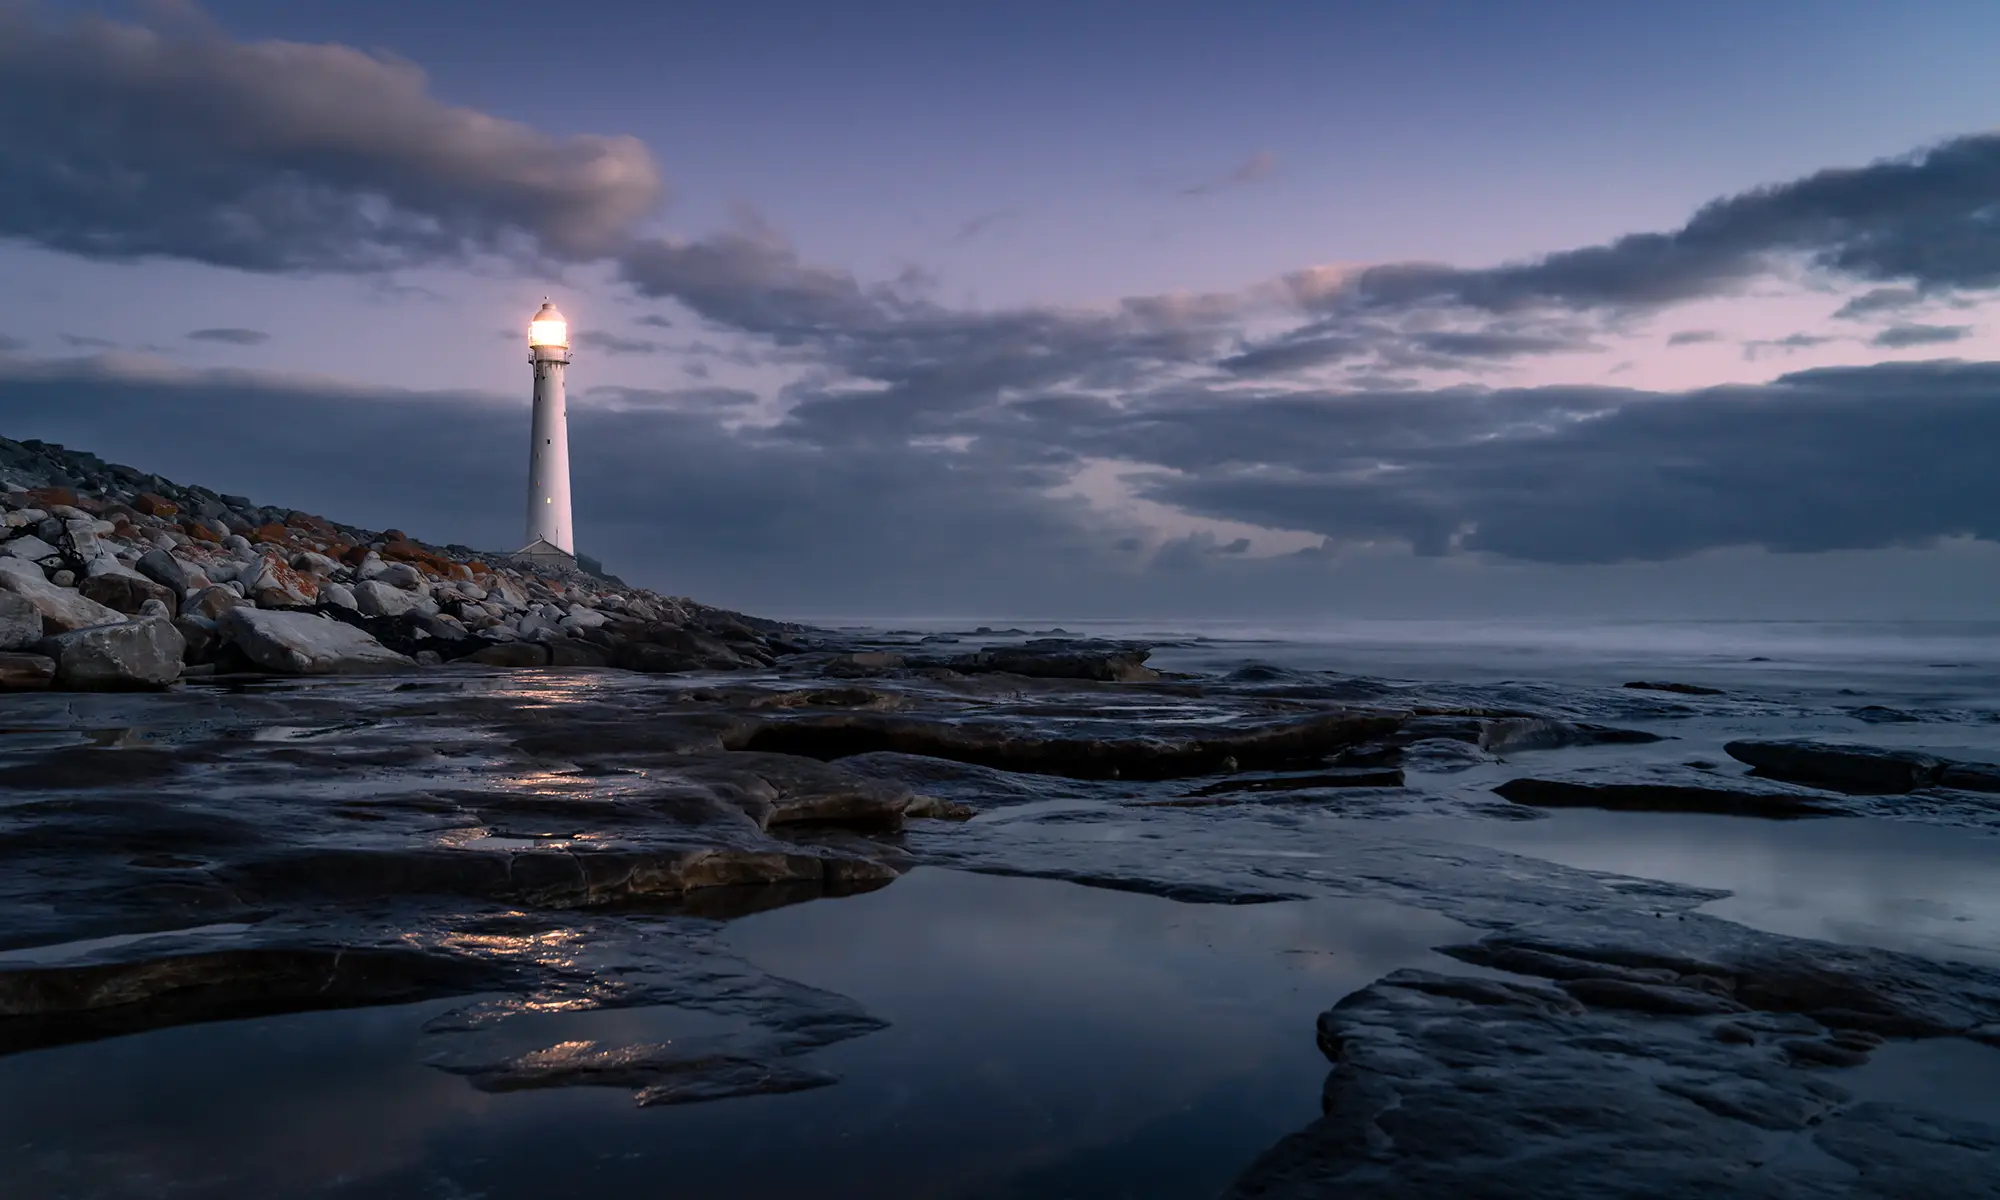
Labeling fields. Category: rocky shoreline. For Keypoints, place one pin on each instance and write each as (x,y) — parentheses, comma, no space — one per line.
(111,577)
(260,762)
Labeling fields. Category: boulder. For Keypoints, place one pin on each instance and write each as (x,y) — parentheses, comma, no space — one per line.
(62,609)
(20,622)
(375,598)
(164,569)
(401,575)
(201,639)
(299,643)
(210,602)
(1865,770)
(340,596)
(314,564)
(587,618)
(29,547)
(21,672)
(130,654)
(126,592)
(275,585)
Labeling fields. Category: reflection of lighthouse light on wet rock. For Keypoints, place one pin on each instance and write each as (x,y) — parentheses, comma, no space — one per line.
(549,529)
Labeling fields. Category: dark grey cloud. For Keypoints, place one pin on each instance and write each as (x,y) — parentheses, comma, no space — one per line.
(1841,459)
(1388,348)
(1901,337)
(121,141)
(1923,220)
(78,341)
(674,494)
(655,320)
(1693,337)
(9,345)
(612,343)
(1880,302)
(231,337)
(911,364)
(1255,169)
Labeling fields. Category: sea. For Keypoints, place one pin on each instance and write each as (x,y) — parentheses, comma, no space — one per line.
(1047,1039)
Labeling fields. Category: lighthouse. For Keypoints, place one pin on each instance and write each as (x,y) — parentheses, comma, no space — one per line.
(550,536)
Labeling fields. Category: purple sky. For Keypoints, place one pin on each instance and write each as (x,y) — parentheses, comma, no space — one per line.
(1056,309)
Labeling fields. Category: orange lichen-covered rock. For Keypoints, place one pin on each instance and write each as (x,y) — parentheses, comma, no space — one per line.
(42,497)
(278,586)
(269,531)
(154,506)
(200,532)
(311,524)
(410,552)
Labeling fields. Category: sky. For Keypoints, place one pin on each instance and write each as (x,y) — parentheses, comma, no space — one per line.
(1455,309)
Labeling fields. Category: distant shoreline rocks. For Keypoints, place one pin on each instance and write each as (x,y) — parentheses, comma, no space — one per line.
(114,578)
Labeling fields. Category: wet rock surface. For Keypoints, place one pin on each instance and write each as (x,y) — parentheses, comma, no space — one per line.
(381,774)
(1676,1062)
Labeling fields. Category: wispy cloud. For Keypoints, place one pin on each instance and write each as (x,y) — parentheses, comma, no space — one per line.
(612,343)
(231,337)
(980,224)
(1694,337)
(1901,337)
(1256,168)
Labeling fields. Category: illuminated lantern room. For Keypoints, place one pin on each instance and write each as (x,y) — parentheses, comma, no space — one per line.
(548,328)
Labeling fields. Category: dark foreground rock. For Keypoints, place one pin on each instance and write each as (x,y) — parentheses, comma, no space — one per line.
(1861,769)
(1671,790)
(1684,689)
(1630,1067)
(1168,754)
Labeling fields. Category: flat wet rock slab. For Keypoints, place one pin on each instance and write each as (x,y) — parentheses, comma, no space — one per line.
(565,895)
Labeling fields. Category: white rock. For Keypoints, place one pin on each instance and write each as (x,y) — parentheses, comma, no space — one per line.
(340,595)
(471,591)
(105,564)
(238,547)
(21,518)
(197,578)
(587,618)
(401,575)
(371,566)
(62,609)
(236,585)
(27,546)
(85,537)
(155,607)
(20,622)
(162,541)
(316,564)
(297,643)
(144,653)
(274,582)
(378,599)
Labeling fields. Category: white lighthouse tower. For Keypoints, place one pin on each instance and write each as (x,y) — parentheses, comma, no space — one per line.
(550,536)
